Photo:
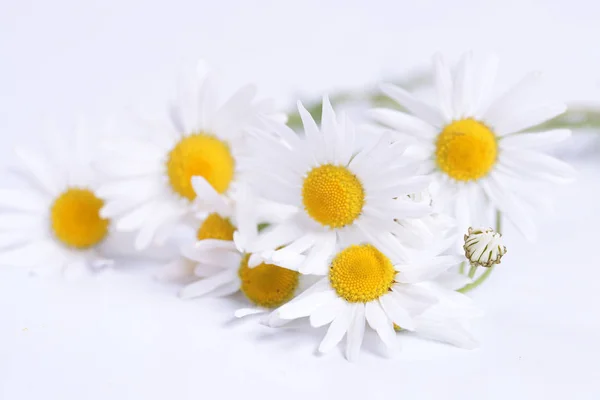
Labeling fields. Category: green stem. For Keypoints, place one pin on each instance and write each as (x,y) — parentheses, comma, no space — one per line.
(489,270)
(461,269)
(477,282)
(472,271)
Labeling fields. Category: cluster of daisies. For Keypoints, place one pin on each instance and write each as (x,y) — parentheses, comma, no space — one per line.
(347,225)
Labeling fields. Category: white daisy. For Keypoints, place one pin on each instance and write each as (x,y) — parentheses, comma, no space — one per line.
(476,148)
(341,192)
(51,221)
(217,259)
(362,284)
(150,189)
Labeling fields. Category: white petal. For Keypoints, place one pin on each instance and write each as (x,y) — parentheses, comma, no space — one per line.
(14,238)
(413,298)
(425,271)
(326,312)
(305,305)
(40,171)
(175,270)
(396,313)
(379,322)
(444,86)
(463,87)
(510,208)
(206,194)
(216,257)
(317,260)
(450,332)
(535,140)
(337,330)
(276,236)
(507,104)
(452,280)
(537,164)
(417,107)
(356,331)
(528,118)
(20,200)
(31,254)
(243,312)
(403,123)
(206,285)
(136,218)
(160,217)
(484,79)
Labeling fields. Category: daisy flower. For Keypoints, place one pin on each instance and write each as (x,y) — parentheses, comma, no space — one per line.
(476,147)
(150,189)
(51,221)
(218,261)
(342,191)
(363,285)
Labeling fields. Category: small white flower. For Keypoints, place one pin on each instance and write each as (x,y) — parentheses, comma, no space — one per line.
(150,189)
(216,261)
(483,247)
(52,221)
(478,149)
(361,285)
(341,190)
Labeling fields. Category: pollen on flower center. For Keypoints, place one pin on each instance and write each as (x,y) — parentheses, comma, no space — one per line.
(75,218)
(361,273)
(267,285)
(203,155)
(332,195)
(216,227)
(466,150)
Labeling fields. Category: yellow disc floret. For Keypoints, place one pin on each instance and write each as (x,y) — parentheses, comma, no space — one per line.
(466,150)
(75,218)
(361,273)
(200,155)
(332,195)
(216,227)
(267,285)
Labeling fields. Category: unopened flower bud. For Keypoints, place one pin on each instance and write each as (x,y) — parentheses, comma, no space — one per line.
(483,247)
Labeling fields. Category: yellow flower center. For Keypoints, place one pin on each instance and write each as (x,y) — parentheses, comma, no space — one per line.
(216,227)
(332,195)
(267,285)
(361,273)
(75,218)
(466,150)
(200,155)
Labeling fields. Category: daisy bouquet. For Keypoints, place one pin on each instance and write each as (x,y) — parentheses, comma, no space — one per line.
(382,225)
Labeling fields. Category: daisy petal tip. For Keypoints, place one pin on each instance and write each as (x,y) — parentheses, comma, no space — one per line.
(184,294)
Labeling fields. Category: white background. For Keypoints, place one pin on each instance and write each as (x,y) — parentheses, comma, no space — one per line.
(124,336)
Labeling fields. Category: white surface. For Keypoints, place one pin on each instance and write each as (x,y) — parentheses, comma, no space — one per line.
(123,336)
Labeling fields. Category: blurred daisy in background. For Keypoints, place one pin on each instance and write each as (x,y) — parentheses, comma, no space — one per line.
(342,192)
(361,285)
(150,189)
(217,262)
(478,149)
(51,221)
